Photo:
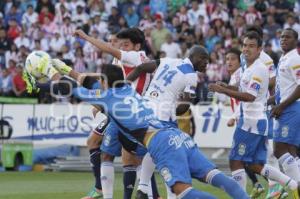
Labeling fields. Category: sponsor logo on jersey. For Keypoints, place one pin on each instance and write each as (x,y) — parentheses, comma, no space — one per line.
(255,86)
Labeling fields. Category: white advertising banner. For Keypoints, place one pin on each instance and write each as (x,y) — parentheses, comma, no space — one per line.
(71,124)
(211,126)
(51,124)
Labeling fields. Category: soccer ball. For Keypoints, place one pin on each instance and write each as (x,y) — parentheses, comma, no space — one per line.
(36,63)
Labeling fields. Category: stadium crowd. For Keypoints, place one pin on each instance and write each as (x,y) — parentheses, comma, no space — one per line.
(171,27)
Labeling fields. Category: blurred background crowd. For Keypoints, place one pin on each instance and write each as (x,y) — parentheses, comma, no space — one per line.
(171,27)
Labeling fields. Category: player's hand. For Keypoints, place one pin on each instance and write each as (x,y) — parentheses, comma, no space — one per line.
(231,122)
(80,33)
(216,88)
(276,111)
(95,111)
(221,84)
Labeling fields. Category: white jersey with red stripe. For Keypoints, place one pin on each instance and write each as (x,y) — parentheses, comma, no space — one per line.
(130,60)
(235,81)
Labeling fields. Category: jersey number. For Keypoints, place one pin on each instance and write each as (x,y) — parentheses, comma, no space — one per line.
(166,75)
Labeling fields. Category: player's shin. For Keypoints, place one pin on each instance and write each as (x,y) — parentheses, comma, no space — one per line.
(107,179)
(290,166)
(96,163)
(129,177)
(195,194)
(230,186)
(147,169)
(240,177)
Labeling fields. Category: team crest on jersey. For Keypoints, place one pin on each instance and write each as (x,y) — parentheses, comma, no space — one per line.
(255,86)
(242,149)
(154,94)
(107,139)
(165,173)
(284,131)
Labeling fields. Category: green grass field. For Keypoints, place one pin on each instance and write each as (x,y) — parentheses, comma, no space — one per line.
(66,185)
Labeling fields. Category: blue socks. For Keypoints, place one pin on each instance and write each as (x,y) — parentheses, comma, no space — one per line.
(218,179)
(96,162)
(191,193)
(129,176)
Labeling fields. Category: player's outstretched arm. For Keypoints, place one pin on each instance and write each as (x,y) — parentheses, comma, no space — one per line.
(241,96)
(103,46)
(148,67)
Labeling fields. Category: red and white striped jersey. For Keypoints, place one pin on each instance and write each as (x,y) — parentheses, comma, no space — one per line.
(130,60)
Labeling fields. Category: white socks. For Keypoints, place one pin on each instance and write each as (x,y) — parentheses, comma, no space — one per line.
(276,175)
(147,171)
(240,177)
(290,166)
(271,160)
(107,179)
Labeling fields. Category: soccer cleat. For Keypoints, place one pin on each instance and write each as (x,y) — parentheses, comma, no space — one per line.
(141,195)
(61,66)
(257,190)
(93,194)
(275,191)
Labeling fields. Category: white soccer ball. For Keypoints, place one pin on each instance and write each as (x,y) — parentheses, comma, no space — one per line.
(36,62)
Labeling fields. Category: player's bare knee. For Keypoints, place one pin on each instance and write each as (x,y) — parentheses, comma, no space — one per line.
(235,165)
(105,157)
(130,159)
(180,187)
(280,149)
(256,168)
(93,141)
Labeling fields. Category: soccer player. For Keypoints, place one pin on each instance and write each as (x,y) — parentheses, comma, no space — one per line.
(170,93)
(275,188)
(251,131)
(94,142)
(287,109)
(130,55)
(167,146)
(232,60)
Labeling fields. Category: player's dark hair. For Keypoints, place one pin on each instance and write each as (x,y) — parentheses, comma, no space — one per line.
(254,28)
(135,35)
(254,35)
(235,51)
(113,74)
(295,33)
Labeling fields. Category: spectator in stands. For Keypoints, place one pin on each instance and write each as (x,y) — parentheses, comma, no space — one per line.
(18,84)
(158,6)
(60,4)
(219,13)
(131,17)
(291,23)
(13,30)
(182,14)
(29,17)
(45,14)
(100,26)
(4,42)
(80,17)
(36,45)
(41,4)
(79,62)
(184,50)
(251,15)
(12,65)
(214,70)
(49,28)
(66,53)
(195,12)
(271,26)
(275,42)
(171,48)
(61,12)
(261,6)
(11,54)
(13,14)
(22,40)
(113,19)
(6,83)
(159,34)
(57,42)
(67,28)
(44,41)
(282,8)
(211,39)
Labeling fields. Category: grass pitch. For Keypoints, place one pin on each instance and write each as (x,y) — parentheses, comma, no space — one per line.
(68,185)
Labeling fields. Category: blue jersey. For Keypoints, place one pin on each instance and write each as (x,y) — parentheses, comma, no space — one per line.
(125,107)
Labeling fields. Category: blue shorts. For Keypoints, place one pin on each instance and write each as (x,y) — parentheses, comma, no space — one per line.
(177,157)
(248,147)
(112,145)
(287,129)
